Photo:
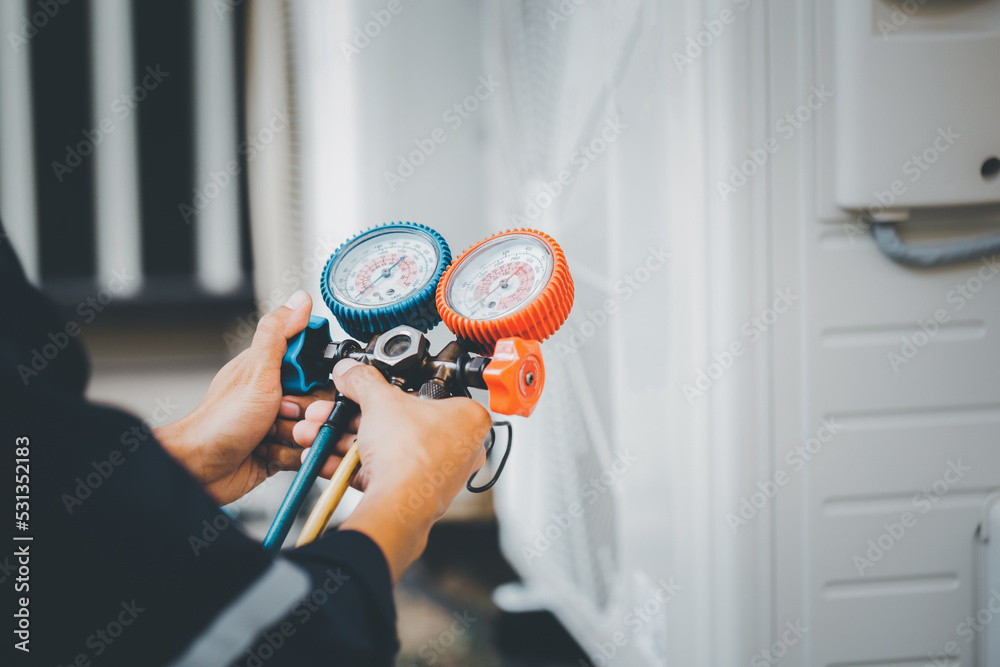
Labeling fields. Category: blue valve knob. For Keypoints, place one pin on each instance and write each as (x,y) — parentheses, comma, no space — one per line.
(304,367)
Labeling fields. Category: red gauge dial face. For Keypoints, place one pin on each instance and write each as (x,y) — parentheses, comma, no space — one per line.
(505,287)
(500,277)
(515,284)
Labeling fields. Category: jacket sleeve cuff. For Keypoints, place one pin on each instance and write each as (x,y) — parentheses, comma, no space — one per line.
(356,552)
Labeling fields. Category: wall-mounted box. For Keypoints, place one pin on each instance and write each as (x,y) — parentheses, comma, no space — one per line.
(916,103)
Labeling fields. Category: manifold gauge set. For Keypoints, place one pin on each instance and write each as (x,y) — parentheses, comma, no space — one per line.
(387,287)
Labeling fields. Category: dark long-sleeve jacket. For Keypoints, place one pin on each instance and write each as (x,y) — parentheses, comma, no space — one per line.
(124,559)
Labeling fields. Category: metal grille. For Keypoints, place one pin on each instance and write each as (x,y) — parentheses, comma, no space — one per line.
(587,555)
(133,158)
(565,64)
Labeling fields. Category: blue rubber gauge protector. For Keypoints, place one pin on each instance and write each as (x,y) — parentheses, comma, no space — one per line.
(384,277)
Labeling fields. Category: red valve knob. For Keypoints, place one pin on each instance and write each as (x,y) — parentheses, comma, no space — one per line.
(515,376)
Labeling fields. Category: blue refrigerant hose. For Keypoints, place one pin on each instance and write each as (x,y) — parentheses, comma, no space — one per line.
(335,426)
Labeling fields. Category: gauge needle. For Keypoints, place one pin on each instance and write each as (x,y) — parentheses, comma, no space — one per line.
(383,274)
(501,284)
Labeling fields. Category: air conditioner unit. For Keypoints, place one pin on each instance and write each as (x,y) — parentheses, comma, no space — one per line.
(761,441)
(774,448)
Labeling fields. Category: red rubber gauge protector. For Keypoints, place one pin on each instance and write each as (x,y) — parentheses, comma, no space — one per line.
(511,284)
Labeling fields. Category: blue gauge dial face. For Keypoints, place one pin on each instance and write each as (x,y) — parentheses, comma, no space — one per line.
(383,267)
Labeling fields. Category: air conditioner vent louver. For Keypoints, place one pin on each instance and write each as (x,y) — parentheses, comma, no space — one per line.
(584,554)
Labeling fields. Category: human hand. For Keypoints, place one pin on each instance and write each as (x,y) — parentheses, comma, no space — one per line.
(416,455)
(231,441)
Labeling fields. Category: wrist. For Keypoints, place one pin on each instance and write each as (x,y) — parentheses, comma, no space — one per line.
(399,532)
(180,440)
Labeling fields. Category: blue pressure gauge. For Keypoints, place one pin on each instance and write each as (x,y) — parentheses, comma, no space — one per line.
(385,277)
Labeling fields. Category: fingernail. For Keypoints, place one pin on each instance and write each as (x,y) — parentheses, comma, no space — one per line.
(296,299)
(343,366)
(273,429)
(289,410)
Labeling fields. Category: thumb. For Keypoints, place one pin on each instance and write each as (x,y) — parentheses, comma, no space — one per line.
(274,329)
(361,383)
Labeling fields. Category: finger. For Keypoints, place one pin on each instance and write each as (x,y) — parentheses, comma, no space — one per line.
(318,412)
(291,411)
(274,329)
(278,457)
(282,433)
(360,480)
(305,433)
(294,407)
(362,384)
(327,393)
(330,467)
